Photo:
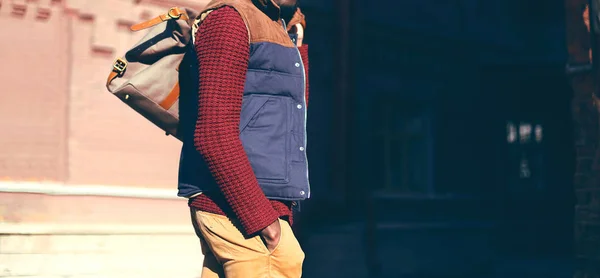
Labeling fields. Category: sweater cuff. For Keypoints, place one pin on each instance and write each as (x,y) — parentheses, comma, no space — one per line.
(256,218)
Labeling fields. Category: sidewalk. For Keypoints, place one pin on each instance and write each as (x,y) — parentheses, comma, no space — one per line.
(340,252)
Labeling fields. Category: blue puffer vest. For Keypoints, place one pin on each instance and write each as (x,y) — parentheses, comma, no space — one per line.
(273,117)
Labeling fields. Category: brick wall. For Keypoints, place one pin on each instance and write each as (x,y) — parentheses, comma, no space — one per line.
(587,189)
(587,139)
(58,120)
(33,110)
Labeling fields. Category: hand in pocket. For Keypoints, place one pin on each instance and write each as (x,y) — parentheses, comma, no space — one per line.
(271,235)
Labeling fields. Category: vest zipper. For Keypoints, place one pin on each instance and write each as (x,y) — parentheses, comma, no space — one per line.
(303,103)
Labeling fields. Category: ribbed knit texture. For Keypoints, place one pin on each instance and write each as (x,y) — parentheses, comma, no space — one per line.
(223,53)
(304,55)
(215,203)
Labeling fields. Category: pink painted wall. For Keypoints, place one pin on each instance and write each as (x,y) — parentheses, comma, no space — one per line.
(58,122)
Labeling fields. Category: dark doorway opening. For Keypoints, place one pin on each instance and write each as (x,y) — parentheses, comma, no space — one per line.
(534,160)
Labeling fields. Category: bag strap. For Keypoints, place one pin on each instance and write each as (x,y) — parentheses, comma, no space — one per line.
(119,67)
(173,13)
(120,64)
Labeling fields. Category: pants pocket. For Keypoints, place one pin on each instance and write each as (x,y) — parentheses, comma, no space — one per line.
(282,236)
(287,258)
(249,257)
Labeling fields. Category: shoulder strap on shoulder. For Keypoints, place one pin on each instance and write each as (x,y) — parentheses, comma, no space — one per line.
(173,13)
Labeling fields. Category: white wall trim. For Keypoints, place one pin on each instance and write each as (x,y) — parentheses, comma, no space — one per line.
(93,229)
(52,188)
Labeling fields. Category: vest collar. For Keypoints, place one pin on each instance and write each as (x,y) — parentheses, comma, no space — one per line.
(269,7)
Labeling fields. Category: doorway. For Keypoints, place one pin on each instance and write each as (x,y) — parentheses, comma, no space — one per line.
(534,161)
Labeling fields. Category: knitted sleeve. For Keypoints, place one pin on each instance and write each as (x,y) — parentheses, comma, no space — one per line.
(304,55)
(223,52)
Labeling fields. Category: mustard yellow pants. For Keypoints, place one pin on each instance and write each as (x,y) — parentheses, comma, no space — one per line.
(227,253)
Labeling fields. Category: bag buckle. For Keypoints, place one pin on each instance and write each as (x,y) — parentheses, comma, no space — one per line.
(174,13)
(119,66)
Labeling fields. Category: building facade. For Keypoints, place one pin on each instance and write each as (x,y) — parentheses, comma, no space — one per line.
(582,68)
(87,187)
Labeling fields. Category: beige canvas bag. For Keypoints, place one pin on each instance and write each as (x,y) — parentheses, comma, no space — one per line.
(147,77)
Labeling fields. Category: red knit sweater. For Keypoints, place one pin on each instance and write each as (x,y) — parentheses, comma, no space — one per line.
(223,53)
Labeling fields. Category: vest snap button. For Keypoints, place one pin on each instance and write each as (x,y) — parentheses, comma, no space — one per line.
(302,193)
(301,149)
(297,65)
(299,106)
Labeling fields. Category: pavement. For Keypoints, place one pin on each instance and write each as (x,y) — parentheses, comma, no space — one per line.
(416,253)
(331,252)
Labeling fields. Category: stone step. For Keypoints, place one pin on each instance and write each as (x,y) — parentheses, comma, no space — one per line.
(100,256)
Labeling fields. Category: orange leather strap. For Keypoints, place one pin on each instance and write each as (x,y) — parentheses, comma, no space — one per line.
(111,77)
(119,67)
(173,13)
(171,98)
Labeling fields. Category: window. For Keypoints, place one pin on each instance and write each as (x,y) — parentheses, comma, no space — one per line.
(525,133)
(524,140)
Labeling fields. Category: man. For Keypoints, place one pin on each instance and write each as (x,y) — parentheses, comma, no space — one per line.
(243,164)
